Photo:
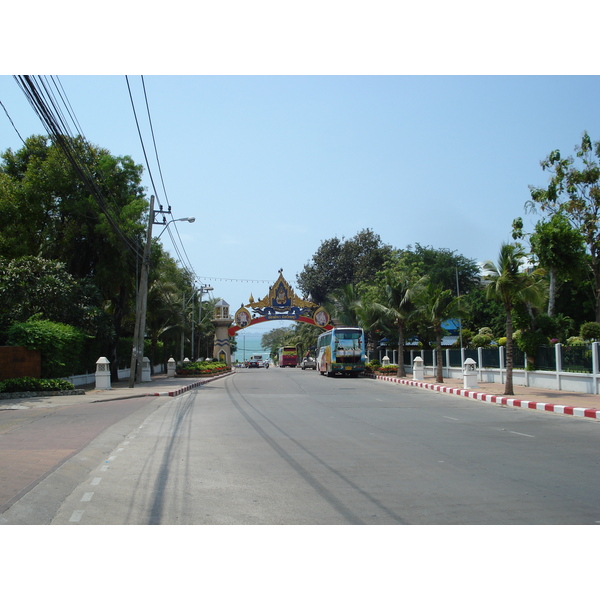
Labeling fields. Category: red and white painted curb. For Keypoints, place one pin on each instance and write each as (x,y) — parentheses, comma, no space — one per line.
(191,386)
(592,413)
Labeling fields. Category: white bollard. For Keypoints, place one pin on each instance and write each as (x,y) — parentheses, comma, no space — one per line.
(171,367)
(146,372)
(418,369)
(469,374)
(103,374)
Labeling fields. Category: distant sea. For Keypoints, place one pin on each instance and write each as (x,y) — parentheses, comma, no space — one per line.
(248,346)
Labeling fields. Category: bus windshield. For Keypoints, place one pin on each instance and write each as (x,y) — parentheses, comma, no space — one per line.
(348,335)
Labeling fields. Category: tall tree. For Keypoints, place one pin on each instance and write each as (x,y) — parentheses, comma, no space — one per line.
(574,189)
(560,250)
(337,263)
(511,284)
(54,215)
(451,270)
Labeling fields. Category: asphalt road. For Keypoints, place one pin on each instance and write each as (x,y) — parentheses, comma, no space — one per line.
(285,446)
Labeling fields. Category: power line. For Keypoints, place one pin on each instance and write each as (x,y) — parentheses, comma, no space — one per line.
(11,122)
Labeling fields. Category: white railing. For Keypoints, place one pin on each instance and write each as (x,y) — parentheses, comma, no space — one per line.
(583,383)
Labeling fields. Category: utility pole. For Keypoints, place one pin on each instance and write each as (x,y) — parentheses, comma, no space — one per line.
(135,371)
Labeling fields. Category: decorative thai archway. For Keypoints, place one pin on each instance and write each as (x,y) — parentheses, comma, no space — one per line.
(280,304)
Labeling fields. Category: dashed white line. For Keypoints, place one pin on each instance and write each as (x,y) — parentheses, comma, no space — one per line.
(451,418)
(96,480)
(517,433)
(76,516)
(87,497)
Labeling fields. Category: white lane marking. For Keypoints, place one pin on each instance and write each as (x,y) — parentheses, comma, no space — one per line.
(451,418)
(120,449)
(104,468)
(87,497)
(517,433)
(111,458)
(96,480)
(125,443)
(76,516)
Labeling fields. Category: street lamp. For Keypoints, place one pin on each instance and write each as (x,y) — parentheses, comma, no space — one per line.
(203,290)
(137,352)
(188,219)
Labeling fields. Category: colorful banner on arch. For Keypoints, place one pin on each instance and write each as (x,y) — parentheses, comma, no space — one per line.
(280,304)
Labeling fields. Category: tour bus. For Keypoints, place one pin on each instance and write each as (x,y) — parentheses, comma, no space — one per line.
(288,356)
(341,350)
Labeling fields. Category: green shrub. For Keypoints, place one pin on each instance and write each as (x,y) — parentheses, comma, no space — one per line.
(590,331)
(61,346)
(576,341)
(481,340)
(31,384)
(372,366)
(201,368)
(388,369)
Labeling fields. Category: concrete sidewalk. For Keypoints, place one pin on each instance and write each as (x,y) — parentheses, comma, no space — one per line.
(556,401)
(160,385)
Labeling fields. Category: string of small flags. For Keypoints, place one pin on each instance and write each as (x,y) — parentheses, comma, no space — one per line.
(238,280)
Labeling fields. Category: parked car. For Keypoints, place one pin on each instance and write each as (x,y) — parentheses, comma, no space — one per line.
(308,362)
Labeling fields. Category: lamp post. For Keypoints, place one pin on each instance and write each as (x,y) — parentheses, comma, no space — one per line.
(203,290)
(137,353)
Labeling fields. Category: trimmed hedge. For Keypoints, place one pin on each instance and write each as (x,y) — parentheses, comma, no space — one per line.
(31,384)
(61,346)
(202,368)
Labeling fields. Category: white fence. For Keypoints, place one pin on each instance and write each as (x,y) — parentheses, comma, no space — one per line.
(583,383)
(90,378)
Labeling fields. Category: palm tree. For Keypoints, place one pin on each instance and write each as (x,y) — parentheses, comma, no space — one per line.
(344,305)
(438,305)
(398,307)
(511,285)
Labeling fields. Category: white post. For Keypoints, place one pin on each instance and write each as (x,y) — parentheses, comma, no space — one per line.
(558,361)
(103,374)
(171,367)
(418,371)
(470,374)
(595,366)
(146,373)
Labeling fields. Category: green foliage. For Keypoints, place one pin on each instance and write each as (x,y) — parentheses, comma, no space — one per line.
(276,338)
(574,190)
(590,331)
(529,341)
(481,341)
(441,266)
(576,341)
(372,366)
(202,368)
(31,384)
(484,312)
(337,263)
(61,346)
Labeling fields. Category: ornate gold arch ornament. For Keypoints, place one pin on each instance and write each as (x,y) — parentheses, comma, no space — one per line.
(280,304)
